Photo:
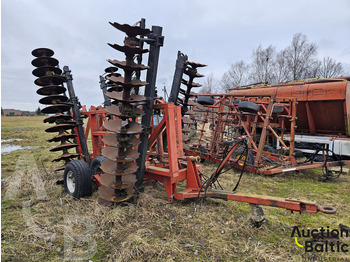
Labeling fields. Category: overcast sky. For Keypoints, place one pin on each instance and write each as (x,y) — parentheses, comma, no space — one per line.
(216,33)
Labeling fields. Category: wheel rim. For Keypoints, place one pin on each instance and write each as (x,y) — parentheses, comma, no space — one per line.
(70,180)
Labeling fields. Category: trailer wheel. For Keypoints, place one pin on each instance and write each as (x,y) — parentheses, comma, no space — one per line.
(77,179)
(237,154)
(205,100)
(95,165)
(248,106)
(270,149)
(277,109)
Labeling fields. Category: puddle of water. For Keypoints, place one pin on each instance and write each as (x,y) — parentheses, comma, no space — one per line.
(8,148)
(10,140)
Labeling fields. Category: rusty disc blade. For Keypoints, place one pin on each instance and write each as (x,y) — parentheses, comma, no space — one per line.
(128,112)
(110,167)
(45,61)
(60,127)
(186,120)
(61,137)
(50,80)
(131,30)
(51,90)
(110,194)
(65,157)
(46,71)
(127,66)
(111,69)
(53,99)
(118,155)
(189,112)
(185,138)
(109,181)
(195,65)
(128,49)
(58,108)
(193,84)
(121,81)
(112,140)
(39,52)
(60,168)
(119,97)
(193,74)
(123,127)
(186,129)
(63,147)
(57,118)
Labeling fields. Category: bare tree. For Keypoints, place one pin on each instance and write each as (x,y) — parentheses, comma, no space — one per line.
(281,72)
(300,56)
(329,68)
(210,85)
(236,76)
(262,66)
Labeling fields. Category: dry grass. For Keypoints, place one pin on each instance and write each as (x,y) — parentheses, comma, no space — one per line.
(151,229)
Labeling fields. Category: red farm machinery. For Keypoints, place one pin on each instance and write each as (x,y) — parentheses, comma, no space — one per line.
(135,138)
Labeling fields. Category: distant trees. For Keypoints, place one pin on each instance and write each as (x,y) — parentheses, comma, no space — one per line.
(297,61)
(210,85)
(38,111)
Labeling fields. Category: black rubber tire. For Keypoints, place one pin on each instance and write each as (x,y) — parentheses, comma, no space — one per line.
(239,151)
(236,102)
(82,177)
(277,109)
(95,164)
(270,149)
(205,100)
(248,106)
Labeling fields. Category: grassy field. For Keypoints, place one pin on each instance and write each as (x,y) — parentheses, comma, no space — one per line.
(41,223)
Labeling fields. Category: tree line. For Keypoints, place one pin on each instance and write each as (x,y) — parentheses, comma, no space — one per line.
(297,61)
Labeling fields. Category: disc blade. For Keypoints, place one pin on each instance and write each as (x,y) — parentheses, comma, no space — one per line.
(45,61)
(119,97)
(128,49)
(53,99)
(57,118)
(127,112)
(62,137)
(121,81)
(110,194)
(60,127)
(51,90)
(115,154)
(110,167)
(39,52)
(50,80)
(58,108)
(65,157)
(109,181)
(123,127)
(46,71)
(127,66)
(63,147)
(131,30)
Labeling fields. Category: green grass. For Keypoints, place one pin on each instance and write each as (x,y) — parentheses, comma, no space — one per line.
(151,229)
